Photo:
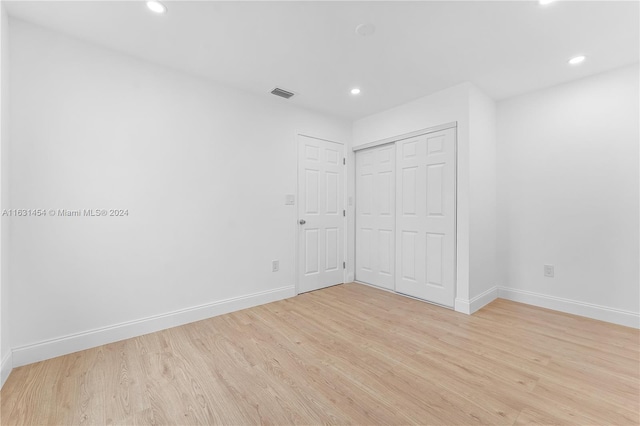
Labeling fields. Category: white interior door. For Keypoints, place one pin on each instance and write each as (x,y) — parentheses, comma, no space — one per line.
(320,214)
(425,210)
(375,216)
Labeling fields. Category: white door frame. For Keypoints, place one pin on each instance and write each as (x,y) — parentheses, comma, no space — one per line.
(296,225)
(394,139)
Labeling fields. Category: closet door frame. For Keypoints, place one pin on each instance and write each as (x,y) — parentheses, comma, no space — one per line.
(393,140)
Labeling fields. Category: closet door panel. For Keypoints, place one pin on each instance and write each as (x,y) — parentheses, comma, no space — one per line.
(375,216)
(425,237)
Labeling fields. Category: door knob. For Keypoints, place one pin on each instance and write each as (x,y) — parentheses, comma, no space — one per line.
(302,221)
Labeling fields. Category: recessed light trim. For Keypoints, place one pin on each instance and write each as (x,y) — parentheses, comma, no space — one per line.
(545,2)
(156,6)
(355,91)
(577,60)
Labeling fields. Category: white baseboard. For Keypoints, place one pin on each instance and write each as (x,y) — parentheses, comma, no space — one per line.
(76,342)
(5,368)
(589,310)
(475,304)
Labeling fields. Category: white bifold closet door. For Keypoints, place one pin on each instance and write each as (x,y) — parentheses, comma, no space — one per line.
(425,216)
(375,216)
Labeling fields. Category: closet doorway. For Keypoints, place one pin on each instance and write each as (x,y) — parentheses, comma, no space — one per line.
(406,214)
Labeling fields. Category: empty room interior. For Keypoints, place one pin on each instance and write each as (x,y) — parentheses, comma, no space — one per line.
(309,212)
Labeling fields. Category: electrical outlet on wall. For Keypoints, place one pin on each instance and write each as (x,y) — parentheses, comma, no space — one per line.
(548,271)
(275,266)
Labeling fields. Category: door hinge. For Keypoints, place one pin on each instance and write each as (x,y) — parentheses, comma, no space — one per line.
(344,212)
(344,265)
(344,161)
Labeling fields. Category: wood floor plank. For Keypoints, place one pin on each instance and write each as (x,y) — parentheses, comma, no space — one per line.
(555,331)
(348,354)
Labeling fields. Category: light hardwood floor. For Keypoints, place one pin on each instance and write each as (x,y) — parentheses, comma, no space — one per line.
(346,354)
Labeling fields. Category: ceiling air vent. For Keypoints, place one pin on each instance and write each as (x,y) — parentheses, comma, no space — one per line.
(282,93)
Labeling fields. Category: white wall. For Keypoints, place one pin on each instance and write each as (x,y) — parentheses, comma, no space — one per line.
(5,344)
(482,195)
(202,169)
(475,115)
(428,111)
(568,191)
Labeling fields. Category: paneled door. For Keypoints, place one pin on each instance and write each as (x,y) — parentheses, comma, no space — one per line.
(425,211)
(375,216)
(320,214)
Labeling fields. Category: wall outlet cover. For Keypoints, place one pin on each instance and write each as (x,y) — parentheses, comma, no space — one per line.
(549,271)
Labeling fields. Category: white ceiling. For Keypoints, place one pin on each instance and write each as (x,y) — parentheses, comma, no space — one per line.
(311,48)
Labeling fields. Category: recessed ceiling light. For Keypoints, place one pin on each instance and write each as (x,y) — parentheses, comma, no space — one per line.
(156,6)
(545,2)
(577,60)
(355,91)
